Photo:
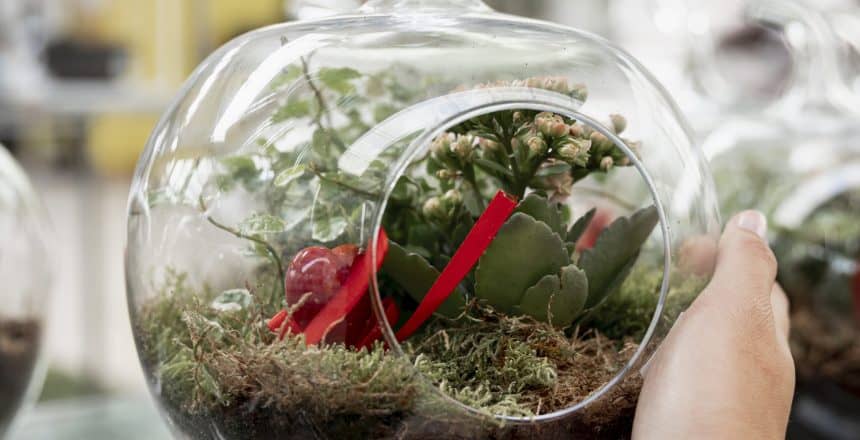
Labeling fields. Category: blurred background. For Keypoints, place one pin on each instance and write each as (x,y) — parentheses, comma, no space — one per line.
(83,82)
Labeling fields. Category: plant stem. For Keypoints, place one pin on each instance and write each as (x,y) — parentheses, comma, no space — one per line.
(273,253)
(469,177)
(321,176)
(322,108)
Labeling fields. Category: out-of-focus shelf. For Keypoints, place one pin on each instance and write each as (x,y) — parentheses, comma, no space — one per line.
(85,97)
(93,419)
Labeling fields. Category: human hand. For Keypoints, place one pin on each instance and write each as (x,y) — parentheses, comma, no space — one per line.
(725,369)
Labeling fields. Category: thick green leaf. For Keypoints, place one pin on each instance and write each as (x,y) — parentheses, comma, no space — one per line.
(524,251)
(574,284)
(416,276)
(339,79)
(609,262)
(536,300)
(261,224)
(543,210)
(557,301)
(578,228)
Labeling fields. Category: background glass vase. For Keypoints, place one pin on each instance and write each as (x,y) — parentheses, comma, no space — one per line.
(328,174)
(26,276)
(798,162)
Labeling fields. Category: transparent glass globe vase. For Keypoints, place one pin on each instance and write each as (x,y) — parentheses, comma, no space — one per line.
(26,278)
(422,219)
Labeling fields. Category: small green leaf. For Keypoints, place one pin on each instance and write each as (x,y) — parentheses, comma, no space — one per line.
(416,276)
(326,229)
(543,210)
(553,170)
(240,165)
(292,110)
(339,79)
(493,168)
(261,224)
(524,251)
(611,259)
(287,77)
(232,300)
(578,228)
(284,178)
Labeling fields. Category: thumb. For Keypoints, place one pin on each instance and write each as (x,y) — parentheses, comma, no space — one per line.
(746,267)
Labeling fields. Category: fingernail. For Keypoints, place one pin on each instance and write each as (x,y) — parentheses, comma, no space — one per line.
(754,222)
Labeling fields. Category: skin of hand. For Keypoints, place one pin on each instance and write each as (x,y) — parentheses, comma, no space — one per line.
(725,369)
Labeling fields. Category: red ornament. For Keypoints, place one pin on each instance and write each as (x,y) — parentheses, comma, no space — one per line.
(602,219)
(317,271)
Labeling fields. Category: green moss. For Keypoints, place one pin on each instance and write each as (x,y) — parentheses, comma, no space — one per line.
(628,312)
(210,363)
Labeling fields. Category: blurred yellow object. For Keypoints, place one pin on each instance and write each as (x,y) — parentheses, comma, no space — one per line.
(228,18)
(114,141)
(165,39)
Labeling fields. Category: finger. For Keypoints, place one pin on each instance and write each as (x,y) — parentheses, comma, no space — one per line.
(746,267)
(779,303)
(697,256)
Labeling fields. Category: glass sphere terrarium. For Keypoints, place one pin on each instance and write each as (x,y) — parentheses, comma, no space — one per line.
(23,269)
(424,219)
(799,163)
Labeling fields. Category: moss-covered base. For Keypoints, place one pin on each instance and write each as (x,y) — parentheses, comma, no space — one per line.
(221,373)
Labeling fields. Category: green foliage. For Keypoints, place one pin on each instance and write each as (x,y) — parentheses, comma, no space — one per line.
(524,251)
(555,300)
(289,175)
(543,210)
(629,311)
(609,262)
(262,224)
(296,108)
(579,227)
(339,79)
(416,276)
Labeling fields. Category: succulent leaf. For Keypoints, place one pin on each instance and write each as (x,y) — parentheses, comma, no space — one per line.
(541,209)
(536,300)
(611,259)
(524,251)
(416,276)
(574,282)
(557,301)
(578,228)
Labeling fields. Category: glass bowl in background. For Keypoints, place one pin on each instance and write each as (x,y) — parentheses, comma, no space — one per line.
(26,275)
(799,162)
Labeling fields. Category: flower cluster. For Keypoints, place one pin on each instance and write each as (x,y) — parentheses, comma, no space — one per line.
(526,149)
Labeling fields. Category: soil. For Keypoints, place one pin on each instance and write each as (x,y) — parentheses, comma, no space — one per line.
(826,349)
(19,348)
(827,355)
